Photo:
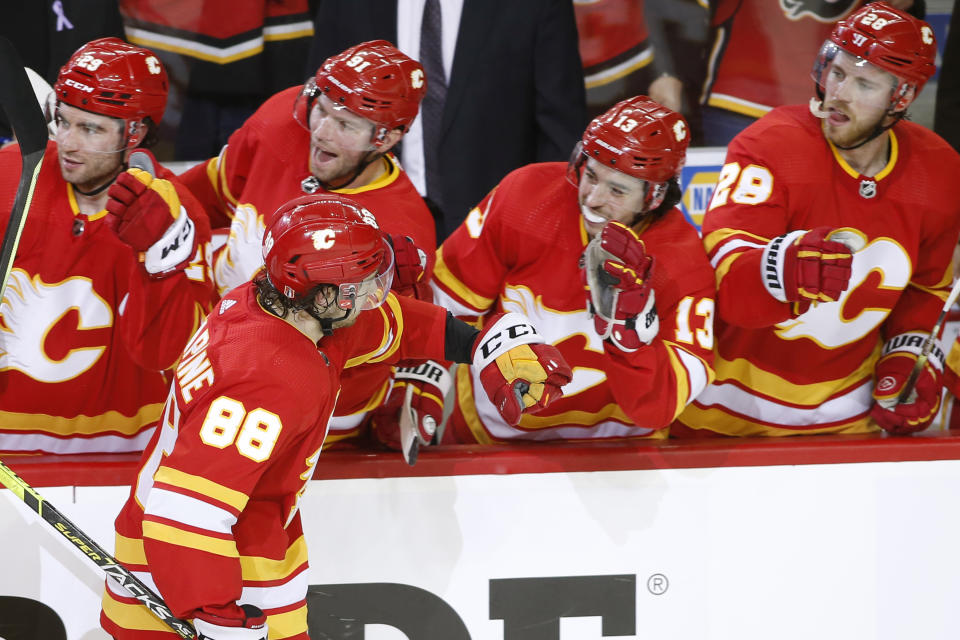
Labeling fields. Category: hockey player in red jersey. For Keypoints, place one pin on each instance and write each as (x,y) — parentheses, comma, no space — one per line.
(640,357)
(832,228)
(758,59)
(110,278)
(212,521)
(332,135)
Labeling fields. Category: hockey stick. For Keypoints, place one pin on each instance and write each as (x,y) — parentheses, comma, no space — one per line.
(95,552)
(928,345)
(20,104)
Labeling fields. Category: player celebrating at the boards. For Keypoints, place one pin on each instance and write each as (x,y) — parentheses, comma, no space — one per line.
(832,229)
(212,520)
(110,279)
(334,134)
(636,324)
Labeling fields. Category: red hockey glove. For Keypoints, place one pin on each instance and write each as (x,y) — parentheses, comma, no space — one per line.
(414,410)
(892,371)
(409,262)
(622,301)
(211,626)
(148,216)
(519,372)
(804,266)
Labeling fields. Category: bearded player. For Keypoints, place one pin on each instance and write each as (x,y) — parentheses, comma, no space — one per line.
(832,228)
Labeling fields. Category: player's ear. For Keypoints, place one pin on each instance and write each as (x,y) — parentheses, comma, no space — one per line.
(905,99)
(387,139)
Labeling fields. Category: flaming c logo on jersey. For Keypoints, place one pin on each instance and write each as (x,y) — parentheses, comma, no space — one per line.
(820,10)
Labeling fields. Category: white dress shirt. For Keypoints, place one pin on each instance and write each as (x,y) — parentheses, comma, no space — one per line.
(409,17)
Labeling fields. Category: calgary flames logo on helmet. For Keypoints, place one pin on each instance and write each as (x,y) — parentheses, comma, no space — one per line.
(820,10)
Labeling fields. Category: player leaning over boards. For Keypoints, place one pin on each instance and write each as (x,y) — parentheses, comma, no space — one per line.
(334,134)
(109,281)
(212,519)
(640,345)
(816,331)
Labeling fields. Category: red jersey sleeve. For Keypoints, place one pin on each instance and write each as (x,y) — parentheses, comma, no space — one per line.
(158,316)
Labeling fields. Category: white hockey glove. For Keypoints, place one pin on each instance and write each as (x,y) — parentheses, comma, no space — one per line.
(213,627)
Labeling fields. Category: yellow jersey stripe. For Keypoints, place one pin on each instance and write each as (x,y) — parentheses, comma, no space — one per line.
(442,273)
(235,499)
(198,541)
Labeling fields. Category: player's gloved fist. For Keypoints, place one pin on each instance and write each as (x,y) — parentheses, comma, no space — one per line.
(518,370)
(805,266)
(892,371)
(622,298)
(410,262)
(148,216)
(414,410)
(211,626)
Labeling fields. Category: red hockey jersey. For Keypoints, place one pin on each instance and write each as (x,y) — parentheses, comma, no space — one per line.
(261,168)
(781,373)
(764,50)
(520,250)
(85,333)
(212,518)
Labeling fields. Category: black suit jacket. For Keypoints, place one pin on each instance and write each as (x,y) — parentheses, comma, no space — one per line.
(515,95)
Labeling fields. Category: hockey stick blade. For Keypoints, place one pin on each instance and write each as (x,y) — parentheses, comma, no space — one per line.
(928,345)
(93,551)
(20,104)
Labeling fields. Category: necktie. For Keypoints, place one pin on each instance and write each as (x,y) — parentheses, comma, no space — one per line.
(431,108)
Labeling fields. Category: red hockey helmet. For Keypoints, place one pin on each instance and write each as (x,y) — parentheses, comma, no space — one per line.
(375,80)
(640,138)
(887,38)
(116,79)
(328,239)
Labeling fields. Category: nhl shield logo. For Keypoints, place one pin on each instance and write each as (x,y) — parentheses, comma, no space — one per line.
(868,188)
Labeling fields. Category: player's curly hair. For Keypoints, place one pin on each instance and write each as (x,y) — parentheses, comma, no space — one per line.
(281,306)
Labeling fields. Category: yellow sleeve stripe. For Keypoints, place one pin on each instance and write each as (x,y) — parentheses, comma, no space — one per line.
(257,569)
(711,240)
(391,339)
(130,550)
(442,274)
(172,535)
(217,172)
(131,616)
(235,499)
(725,265)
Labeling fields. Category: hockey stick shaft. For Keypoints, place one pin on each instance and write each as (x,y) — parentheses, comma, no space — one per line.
(20,104)
(93,551)
(928,345)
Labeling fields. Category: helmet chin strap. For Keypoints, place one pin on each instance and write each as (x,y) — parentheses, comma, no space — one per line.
(326,324)
(102,187)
